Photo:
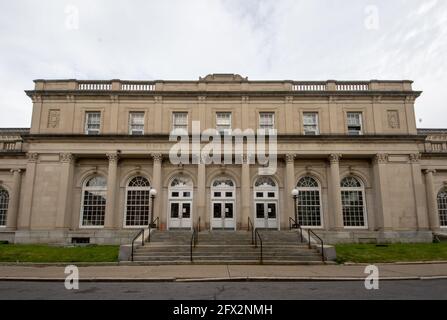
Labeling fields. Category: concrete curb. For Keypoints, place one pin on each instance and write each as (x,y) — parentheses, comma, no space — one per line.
(236,279)
(403,263)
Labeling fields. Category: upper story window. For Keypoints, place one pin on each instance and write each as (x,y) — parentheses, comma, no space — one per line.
(136,123)
(310,123)
(354,122)
(180,121)
(92,122)
(223,122)
(266,120)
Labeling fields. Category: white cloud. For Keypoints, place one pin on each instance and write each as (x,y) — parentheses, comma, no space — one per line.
(267,39)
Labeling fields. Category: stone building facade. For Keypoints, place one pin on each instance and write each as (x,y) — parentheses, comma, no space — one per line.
(85,169)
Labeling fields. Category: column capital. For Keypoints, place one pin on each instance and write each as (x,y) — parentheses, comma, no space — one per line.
(157,157)
(113,157)
(15,171)
(430,171)
(32,156)
(334,157)
(66,157)
(381,158)
(414,157)
(290,157)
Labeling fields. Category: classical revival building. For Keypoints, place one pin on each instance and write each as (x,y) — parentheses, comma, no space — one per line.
(85,169)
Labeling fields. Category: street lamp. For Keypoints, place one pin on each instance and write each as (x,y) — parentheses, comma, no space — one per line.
(152,194)
(295,199)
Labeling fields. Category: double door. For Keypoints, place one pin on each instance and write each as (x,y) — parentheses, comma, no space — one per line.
(266,214)
(180,215)
(223,215)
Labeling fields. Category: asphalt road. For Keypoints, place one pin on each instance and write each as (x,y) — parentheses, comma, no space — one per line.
(404,289)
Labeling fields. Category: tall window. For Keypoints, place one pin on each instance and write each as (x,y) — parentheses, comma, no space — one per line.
(4,203)
(223,122)
(136,123)
(442,207)
(180,121)
(92,122)
(354,120)
(310,123)
(138,202)
(266,120)
(309,204)
(353,203)
(94,202)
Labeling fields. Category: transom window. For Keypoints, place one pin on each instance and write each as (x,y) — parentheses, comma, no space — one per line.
(138,202)
(266,120)
(181,187)
(180,121)
(223,188)
(442,207)
(136,123)
(265,188)
(354,122)
(223,122)
(94,202)
(309,202)
(92,122)
(353,203)
(4,203)
(310,123)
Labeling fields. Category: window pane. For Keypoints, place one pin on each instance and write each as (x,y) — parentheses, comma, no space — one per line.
(136,123)
(92,122)
(266,120)
(4,202)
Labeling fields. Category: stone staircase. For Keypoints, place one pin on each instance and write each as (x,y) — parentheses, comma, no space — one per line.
(226,247)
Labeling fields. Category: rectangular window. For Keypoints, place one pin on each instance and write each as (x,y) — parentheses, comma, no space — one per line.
(92,123)
(136,123)
(223,122)
(354,122)
(180,121)
(266,120)
(310,123)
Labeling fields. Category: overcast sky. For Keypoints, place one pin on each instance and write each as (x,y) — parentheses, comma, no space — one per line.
(290,39)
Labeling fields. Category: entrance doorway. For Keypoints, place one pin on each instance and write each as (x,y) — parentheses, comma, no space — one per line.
(180,203)
(223,196)
(266,203)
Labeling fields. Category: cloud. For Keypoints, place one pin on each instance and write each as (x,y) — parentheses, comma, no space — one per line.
(266,39)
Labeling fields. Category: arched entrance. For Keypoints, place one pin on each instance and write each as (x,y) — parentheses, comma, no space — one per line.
(180,203)
(223,196)
(266,203)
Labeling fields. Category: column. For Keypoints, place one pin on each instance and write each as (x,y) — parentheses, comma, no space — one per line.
(384,219)
(245,192)
(14,202)
(336,222)
(64,204)
(289,186)
(24,221)
(201,196)
(418,191)
(110,218)
(156,184)
(432,202)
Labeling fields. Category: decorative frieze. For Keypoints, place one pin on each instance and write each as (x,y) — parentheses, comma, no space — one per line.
(334,158)
(33,157)
(54,116)
(393,119)
(414,157)
(66,157)
(381,158)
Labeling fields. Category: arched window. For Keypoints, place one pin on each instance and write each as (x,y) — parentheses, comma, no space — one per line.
(138,202)
(93,207)
(265,188)
(223,187)
(309,202)
(353,203)
(4,203)
(442,207)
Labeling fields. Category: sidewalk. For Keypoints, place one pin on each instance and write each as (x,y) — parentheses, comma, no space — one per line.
(226,272)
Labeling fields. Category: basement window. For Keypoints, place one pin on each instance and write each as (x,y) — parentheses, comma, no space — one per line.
(80,240)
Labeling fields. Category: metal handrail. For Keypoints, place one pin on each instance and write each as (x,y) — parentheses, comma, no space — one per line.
(194,239)
(257,235)
(198,224)
(252,230)
(309,232)
(135,238)
(297,226)
(150,226)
